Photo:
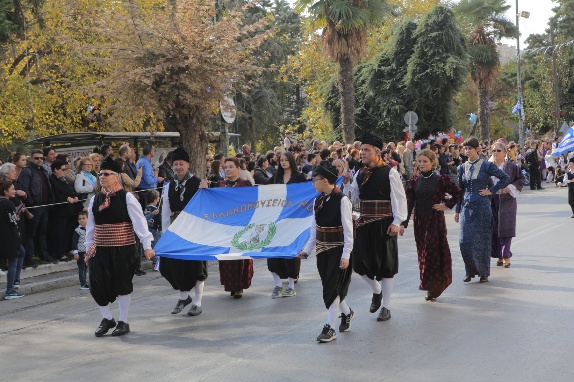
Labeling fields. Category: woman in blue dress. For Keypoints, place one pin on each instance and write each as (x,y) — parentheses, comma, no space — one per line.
(476,220)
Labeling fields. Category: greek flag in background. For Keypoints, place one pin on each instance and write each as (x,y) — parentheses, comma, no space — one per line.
(241,223)
(566,145)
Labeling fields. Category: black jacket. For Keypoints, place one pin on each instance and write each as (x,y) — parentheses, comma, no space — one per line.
(261,177)
(165,171)
(62,191)
(31,184)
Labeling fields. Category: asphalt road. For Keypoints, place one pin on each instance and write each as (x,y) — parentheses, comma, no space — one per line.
(517,327)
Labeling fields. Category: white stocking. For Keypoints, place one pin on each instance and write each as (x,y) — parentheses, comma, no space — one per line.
(387,287)
(124,302)
(373,284)
(333,312)
(106,312)
(198,290)
(277,279)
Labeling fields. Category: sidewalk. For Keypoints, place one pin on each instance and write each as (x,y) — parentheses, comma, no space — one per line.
(51,276)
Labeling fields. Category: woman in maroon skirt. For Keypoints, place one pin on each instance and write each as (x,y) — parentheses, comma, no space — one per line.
(235,275)
(429,195)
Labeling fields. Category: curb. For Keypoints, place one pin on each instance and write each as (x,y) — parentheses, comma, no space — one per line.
(52,276)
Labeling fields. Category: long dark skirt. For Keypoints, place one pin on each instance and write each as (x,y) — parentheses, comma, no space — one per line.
(335,280)
(183,274)
(476,236)
(235,275)
(375,253)
(285,268)
(500,245)
(571,198)
(111,272)
(435,262)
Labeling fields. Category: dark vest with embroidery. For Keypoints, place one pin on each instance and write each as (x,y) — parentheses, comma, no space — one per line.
(378,187)
(117,211)
(176,203)
(425,191)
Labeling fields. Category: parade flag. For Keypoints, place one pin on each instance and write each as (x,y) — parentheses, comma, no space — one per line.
(519,108)
(240,223)
(566,144)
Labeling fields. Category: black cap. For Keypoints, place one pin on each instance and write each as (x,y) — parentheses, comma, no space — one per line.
(180,154)
(110,164)
(369,138)
(327,171)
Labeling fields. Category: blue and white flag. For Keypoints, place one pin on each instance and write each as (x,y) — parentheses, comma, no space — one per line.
(240,223)
(566,144)
(519,108)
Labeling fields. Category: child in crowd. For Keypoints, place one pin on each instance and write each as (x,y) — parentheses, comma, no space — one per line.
(79,248)
(153,217)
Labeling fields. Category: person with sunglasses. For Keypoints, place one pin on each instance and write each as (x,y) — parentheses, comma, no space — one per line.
(504,205)
(113,216)
(34,180)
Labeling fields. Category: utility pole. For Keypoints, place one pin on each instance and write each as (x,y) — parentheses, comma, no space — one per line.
(556,85)
(519,82)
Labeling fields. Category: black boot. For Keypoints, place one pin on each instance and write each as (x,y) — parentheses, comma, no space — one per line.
(376,302)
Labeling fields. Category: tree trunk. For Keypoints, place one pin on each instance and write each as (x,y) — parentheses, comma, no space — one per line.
(194,141)
(347,92)
(483,120)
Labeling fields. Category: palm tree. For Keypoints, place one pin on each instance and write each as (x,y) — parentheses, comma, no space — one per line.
(486,24)
(345,24)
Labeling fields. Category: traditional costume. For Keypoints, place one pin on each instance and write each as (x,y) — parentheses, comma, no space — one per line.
(285,268)
(381,195)
(332,236)
(113,217)
(476,217)
(504,208)
(183,275)
(435,262)
(235,275)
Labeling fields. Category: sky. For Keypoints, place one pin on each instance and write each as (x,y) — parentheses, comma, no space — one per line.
(540,12)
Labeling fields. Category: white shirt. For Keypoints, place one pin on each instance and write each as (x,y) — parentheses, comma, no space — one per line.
(398,196)
(287,143)
(347,222)
(136,216)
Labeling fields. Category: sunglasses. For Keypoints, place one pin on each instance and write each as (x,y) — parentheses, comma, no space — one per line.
(38,158)
(107,173)
(496,151)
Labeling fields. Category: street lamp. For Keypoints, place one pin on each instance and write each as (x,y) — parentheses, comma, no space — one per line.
(521,134)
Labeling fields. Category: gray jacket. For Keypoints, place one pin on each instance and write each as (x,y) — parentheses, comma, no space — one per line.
(408,163)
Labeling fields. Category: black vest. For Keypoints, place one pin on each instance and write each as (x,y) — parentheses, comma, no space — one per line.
(378,187)
(175,202)
(116,212)
(330,213)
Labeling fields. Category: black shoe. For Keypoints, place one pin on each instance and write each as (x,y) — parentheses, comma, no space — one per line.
(121,329)
(346,321)
(540,188)
(30,263)
(384,315)
(376,302)
(483,279)
(49,259)
(499,263)
(467,278)
(139,272)
(327,335)
(181,304)
(105,325)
